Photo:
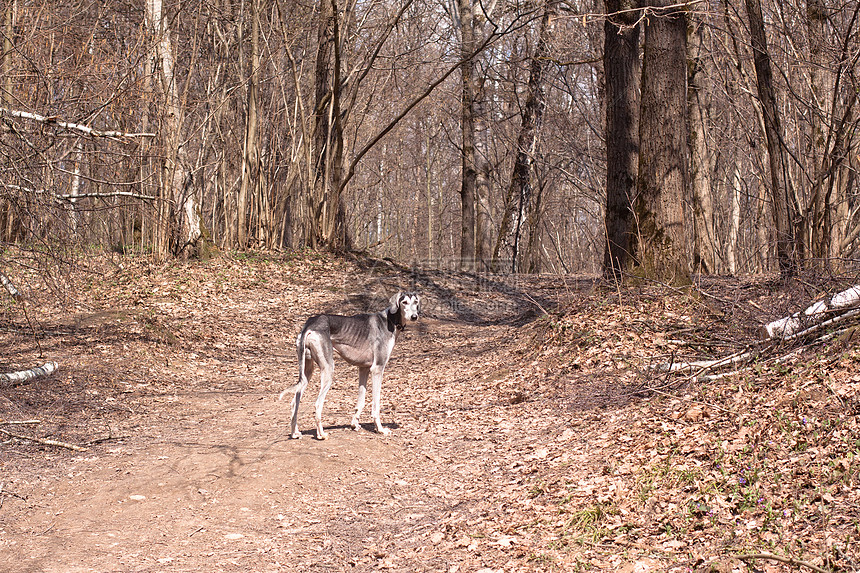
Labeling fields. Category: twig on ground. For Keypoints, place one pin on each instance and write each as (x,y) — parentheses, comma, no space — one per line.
(704,365)
(787,560)
(44,442)
(19,422)
(536,303)
(692,400)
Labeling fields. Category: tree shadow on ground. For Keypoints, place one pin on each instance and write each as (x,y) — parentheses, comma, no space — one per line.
(477,298)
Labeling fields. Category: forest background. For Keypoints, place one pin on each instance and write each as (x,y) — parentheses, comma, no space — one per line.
(496,135)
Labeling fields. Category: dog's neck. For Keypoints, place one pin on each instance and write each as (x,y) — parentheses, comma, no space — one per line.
(395,320)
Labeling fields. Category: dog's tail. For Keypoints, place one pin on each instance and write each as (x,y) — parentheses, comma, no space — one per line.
(300,350)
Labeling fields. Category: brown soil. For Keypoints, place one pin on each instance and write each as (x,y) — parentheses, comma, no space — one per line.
(507,453)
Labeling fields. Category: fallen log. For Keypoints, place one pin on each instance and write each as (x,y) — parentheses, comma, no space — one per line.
(799,321)
(16,378)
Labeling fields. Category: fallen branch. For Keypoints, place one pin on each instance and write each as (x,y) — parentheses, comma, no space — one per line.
(19,422)
(798,326)
(787,560)
(44,442)
(703,365)
(16,378)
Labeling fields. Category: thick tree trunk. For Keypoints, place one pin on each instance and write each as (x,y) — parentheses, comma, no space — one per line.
(621,68)
(705,249)
(661,241)
(469,183)
(474,188)
(784,207)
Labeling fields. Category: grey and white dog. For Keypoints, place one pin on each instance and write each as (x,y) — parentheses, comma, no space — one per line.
(363,340)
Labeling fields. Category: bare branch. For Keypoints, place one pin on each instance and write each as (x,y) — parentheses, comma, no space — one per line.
(86,130)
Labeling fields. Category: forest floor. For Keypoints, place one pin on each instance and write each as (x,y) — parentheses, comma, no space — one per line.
(530,429)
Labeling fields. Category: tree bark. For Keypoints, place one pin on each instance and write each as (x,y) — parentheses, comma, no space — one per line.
(784,207)
(705,249)
(7,206)
(474,187)
(661,242)
(622,71)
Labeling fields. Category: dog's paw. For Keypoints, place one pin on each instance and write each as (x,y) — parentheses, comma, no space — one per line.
(355,425)
(322,436)
(297,435)
(383,430)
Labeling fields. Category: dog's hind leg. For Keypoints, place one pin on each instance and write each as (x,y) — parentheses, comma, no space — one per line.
(362,390)
(322,351)
(306,370)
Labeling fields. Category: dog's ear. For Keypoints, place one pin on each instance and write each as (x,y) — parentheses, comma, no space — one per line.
(394,303)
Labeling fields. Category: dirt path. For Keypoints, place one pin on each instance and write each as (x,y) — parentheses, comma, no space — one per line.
(521,441)
(201,474)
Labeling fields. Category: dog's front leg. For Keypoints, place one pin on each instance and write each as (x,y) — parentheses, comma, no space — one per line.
(376,391)
(362,391)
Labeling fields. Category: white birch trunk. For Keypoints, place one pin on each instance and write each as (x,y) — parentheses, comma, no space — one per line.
(14,378)
(735,224)
(789,325)
(10,287)
(176,172)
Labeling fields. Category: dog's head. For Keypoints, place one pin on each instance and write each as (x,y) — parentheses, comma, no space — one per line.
(408,303)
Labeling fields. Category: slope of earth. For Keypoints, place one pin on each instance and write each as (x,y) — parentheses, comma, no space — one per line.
(529,429)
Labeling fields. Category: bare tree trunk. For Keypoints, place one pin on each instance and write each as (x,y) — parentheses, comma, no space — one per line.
(520,189)
(785,209)
(470,89)
(621,68)
(532,261)
(251,145)
(705,255)
(7,208)
(428,170)
(175,179)
(832,136)
(731,246)
(327,218)
(661,241)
